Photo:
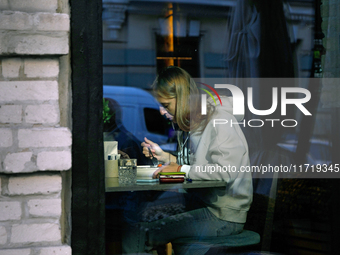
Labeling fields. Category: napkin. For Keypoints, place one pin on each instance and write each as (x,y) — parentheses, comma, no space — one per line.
(110,148)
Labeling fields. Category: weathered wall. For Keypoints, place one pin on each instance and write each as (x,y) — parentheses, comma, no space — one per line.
(35,122)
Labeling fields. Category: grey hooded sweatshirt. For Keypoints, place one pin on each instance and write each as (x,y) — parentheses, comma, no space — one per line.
(220,152)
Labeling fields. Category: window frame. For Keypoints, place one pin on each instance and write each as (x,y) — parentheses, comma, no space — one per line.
(88,183)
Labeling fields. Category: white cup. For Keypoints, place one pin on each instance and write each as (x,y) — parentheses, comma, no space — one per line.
(111,168)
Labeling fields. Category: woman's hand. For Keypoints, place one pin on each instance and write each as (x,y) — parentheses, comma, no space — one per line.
(157,152)
(172,167)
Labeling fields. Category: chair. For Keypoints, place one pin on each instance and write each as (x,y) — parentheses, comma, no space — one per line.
(259,221)
(215,245)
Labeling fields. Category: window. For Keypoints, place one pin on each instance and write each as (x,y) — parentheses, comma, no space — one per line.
(155,122)
(184,54)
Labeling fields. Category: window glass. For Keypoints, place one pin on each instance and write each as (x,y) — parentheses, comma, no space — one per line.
(155,122)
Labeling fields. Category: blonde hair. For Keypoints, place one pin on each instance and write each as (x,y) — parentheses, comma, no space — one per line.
(175,82)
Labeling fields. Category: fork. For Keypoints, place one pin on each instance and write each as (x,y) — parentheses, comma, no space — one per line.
(154,160)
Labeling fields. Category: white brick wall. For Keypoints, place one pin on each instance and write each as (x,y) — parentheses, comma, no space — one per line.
(34,5)
(31,139)
(3,236)
(41,184)
(60,250)
(52,22)
(27,233)
(10,66)
(34,217)
(54,250)
(36,44)
(57,160)
(44,207)
(10,113)
(15,162)
(40,41)
(6,138)
(15,21)
(41,67)
(15,252)
(28,90)
(43,113)
(44,137)
(4,5)
(10,210)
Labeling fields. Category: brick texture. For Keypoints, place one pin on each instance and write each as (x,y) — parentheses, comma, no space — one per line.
(44,113)
(40,21)
(42,184)
(28,90)
(34,37)
(60,250)
(41,68)
(4,5)
(6,139)
(3,235)
(15,162)
(10,210)
(32,233)
(10,66)
(15,252)
(10,114)
(44,137)
(15,21)
(34,5)
(52,22)
(36,44)
(54,160)
(44,207)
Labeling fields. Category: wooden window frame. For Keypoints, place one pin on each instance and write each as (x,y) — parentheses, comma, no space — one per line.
(88,186)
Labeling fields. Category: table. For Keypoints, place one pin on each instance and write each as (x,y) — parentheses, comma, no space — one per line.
(112,185)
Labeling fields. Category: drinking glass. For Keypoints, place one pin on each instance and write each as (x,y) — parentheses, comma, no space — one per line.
(127,171)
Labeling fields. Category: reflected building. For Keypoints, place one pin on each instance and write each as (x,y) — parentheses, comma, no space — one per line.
(141,37)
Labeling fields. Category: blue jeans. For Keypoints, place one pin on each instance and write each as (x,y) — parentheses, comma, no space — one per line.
(162,222)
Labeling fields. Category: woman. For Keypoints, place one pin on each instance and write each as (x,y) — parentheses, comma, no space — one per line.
(203,149)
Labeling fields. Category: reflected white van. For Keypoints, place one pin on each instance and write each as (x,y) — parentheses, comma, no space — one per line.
(140,113)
